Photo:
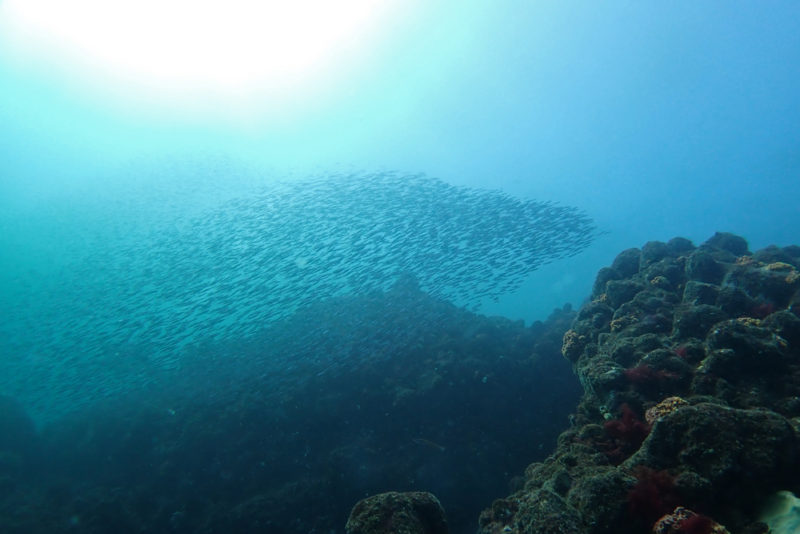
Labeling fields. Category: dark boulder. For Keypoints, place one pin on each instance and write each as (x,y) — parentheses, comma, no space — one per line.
(415,512)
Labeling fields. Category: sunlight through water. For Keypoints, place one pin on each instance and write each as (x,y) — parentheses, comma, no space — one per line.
(192,53)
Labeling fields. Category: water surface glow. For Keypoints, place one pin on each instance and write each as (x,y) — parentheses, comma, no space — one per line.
(241,53)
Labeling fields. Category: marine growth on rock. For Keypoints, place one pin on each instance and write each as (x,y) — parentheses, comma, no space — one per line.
(705,341)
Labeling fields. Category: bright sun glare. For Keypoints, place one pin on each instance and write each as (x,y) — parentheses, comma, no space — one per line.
(232,48)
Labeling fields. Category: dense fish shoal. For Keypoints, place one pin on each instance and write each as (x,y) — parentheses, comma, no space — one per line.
(224,275)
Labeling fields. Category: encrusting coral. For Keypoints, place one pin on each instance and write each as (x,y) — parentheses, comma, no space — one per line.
(667,406)
(684,521)
(705,342)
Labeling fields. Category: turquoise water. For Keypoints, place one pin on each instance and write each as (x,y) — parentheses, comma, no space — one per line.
(652,120)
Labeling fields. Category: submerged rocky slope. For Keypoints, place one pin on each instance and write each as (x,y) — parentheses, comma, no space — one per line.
(349,397)
(689,359)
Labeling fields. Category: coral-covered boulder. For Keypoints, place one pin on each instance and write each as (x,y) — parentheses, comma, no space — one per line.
(690,363)
(732,243)
(415,512)
(627,262)
(736,451)
(540,511)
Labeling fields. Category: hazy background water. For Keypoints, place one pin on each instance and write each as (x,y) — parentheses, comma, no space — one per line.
(657,119)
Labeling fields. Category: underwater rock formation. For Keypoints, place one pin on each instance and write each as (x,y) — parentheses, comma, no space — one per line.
(690,362)
(415,512)
(353,396)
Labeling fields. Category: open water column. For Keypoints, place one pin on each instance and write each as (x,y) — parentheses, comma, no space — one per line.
(260,260)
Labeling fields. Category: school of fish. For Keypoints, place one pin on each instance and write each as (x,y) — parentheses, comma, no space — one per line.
(231,272)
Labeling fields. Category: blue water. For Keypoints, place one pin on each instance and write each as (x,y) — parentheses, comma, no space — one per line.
(654,119)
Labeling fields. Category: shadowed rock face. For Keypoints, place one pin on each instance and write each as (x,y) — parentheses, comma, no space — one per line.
(413,512)
(708,340)
(349,397)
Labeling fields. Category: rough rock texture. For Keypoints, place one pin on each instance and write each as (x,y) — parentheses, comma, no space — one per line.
(386,391)
(415,512)
(708,340)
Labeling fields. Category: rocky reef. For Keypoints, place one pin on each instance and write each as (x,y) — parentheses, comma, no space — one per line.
(413,512)
(689,357)
(349,397)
